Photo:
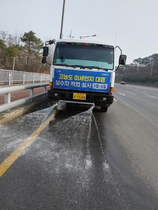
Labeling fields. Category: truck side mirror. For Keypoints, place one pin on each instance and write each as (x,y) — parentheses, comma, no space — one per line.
(122,59)
(45,51)
(44,59)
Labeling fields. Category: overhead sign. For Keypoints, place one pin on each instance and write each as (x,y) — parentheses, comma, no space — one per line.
(82,80)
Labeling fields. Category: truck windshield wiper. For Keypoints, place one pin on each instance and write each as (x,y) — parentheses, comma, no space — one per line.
(95,67)
(62,65)
(75,66)
(80,66)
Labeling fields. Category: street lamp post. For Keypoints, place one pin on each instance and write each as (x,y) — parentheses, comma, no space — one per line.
(62,20)
(82,37)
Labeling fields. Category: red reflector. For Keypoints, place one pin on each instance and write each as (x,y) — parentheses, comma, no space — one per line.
(84,43)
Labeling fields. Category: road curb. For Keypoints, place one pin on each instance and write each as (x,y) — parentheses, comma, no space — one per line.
(14,113)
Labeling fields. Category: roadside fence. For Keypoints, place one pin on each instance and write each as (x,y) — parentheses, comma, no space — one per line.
(10,77)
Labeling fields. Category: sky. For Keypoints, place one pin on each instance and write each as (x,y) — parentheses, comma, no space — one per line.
(131,24)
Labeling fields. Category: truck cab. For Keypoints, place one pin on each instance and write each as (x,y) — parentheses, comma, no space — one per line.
(81,71)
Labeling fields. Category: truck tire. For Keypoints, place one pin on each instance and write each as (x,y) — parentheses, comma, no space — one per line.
(104,109)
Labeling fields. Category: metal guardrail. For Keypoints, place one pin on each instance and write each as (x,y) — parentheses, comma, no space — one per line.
(20,77)
(7,90)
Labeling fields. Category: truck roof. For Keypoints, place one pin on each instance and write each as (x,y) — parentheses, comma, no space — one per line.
(84,41)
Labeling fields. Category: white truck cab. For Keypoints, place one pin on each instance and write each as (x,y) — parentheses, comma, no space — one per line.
(81,70)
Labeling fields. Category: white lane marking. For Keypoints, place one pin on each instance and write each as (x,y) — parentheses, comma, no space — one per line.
(131,93)
(115,100)
(121,94)
(152,96)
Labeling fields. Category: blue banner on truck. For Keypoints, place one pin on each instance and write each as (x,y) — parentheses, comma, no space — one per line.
(82,80)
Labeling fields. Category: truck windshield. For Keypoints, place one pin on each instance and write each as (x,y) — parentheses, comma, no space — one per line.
(84,55)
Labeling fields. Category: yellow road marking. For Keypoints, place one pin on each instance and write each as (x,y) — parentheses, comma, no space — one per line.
(11,159)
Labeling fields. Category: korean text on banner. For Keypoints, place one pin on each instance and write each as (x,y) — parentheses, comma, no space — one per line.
(82,80)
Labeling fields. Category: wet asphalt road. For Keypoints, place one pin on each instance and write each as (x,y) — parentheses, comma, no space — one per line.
(84,160)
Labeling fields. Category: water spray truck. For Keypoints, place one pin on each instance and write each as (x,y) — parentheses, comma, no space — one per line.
(82,71)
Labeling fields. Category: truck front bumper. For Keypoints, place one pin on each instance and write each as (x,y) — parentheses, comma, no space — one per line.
(101,99)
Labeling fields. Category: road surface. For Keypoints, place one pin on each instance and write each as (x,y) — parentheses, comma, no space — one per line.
(84,160)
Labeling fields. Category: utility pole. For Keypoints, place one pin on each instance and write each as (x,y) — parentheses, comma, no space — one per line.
(13,63)
(151,70)
(62,20)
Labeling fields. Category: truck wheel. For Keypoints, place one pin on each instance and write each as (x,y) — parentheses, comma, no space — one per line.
(104,109)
